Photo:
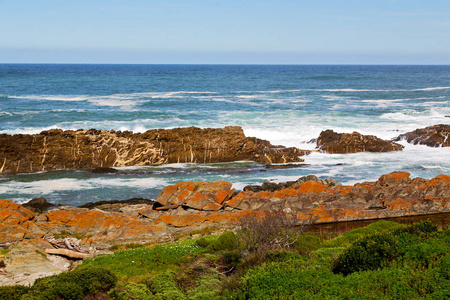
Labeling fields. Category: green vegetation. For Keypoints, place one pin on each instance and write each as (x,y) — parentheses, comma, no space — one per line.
(63,234)
(384,260)
(4,251)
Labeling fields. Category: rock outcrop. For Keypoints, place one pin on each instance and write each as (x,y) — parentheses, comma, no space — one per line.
(332,142)
(57,149)
(190,206)
(433,136)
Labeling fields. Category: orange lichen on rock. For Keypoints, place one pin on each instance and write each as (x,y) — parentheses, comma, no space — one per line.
(198,195)
(400,204)
(394,178)
(312,187)
(321,214)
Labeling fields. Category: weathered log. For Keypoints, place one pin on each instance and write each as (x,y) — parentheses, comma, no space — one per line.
(67,253)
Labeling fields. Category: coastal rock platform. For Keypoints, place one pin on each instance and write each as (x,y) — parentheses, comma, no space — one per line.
(82,149)
(195,205)
(192,206)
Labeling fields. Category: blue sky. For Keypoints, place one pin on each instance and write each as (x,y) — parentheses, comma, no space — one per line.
(225,31)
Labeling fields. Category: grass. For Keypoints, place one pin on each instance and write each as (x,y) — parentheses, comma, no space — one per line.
(4,251)
(141,262)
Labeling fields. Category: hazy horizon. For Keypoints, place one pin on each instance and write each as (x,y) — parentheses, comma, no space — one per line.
(377,32)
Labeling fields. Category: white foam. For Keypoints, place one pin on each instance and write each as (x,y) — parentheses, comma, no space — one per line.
(434,88)
(41,187)
(52,97)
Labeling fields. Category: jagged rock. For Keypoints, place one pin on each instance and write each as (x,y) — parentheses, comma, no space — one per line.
(15,222)
(195,205)
(433,136)
(332,142)
(38,204)
(271,186)
(197,195)
(57,149)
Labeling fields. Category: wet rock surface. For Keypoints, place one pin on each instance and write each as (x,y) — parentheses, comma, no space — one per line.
(333,142)
(433,136)
(102,150)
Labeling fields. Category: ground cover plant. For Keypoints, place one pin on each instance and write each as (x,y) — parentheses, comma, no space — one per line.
(384,260)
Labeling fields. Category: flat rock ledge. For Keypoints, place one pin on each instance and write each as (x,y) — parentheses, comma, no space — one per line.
(432,136)
(83,149)
(333,142)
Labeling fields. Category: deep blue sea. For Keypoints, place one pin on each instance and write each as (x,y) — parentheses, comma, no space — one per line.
(287,105)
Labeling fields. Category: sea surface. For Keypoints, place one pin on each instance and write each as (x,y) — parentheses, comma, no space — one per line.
(287,105)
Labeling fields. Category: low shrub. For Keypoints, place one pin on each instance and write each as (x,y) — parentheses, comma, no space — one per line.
(424,229)
(164,288)
(306,243)
(131,291)
(13,292)
(226,241)
(203,242)
(368,253)
(208,289)
(73,285)
(352,236)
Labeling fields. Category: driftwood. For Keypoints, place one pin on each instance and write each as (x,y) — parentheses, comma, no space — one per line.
(66,244)
(67,253)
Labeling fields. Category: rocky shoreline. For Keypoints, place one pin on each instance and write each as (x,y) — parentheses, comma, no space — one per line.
(28,232)
(101,149)
(193,206)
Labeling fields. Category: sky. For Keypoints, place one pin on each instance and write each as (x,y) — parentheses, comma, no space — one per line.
(225,31)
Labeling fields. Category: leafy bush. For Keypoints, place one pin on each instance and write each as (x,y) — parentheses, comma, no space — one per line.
(226,241)
(13,292)
(131,291)
(231,258)
(208,289)
(352,236)
(368,253)
(203,242)
(306,243)
(424,229)
(164,288)
(73,285)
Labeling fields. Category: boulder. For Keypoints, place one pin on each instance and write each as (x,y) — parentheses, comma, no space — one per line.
(203,195)
(38,205)
(16,222)
(433,136)
(332,142)
(102,150)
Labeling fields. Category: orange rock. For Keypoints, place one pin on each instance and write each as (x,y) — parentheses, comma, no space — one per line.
(312,187)
(394,178)
(400,204)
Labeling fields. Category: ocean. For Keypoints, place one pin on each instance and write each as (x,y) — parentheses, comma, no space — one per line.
(287,105)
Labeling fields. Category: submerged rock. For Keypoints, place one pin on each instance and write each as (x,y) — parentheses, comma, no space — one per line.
(83,149)
(432,136)
(332,142)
